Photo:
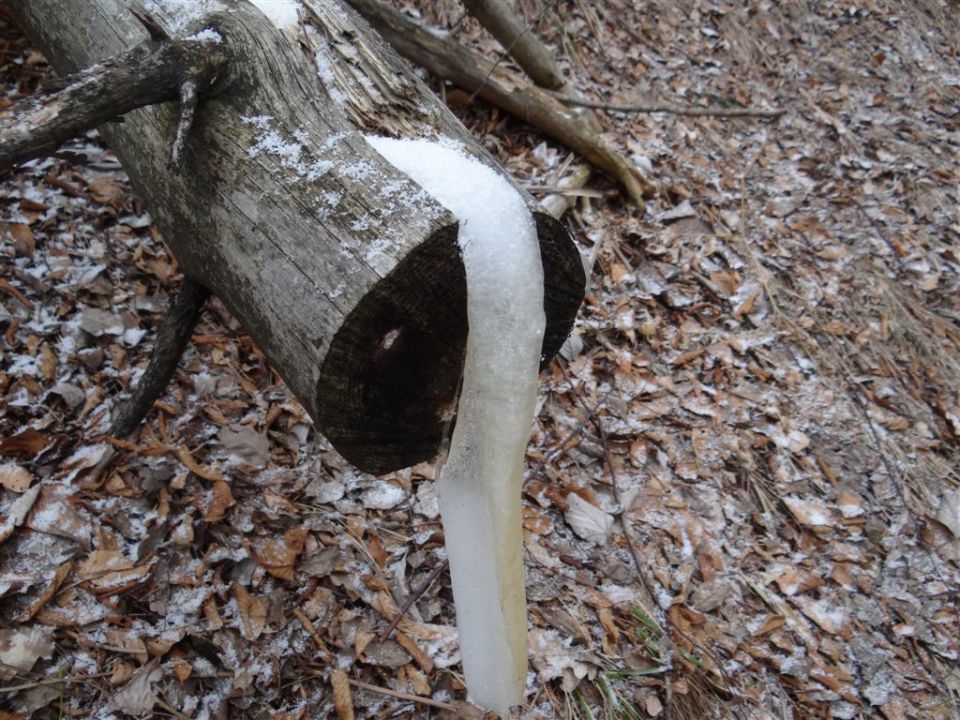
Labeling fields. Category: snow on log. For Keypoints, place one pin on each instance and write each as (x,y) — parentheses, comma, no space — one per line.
(480,483)
(344,271)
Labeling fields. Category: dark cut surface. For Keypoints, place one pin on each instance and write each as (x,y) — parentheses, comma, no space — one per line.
(389,382)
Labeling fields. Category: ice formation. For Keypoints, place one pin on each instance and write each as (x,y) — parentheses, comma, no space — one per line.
(479,486)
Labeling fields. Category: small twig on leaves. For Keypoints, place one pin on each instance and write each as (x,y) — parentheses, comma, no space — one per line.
(667,108)
(413,597)
(53,681)
(403,696)
(172,339)
(614,484)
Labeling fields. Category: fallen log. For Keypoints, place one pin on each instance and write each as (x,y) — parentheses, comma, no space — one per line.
(344,272)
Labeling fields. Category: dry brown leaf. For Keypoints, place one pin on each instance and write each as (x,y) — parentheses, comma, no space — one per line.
(204,471)
(137,697)
(24,244)
(47,362)
(850,505)
(122,672)
(26,443)
(127,641)
(810,513)
(21,647)
(771,623)
(108,572)
(830,616)
(362,640)
(279,556)
(44,597)
(794,581)
(77,607)
(949,511)
(342,697)
(588,521)
(253,612)
(106,191)
(15,478)
(56,514)
(212,615)
(420,657)
(246,443)
(222,501)
(17,511)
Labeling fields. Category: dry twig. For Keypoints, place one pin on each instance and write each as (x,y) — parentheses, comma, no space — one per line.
(639,107)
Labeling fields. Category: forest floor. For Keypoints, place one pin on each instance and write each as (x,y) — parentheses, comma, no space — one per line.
(743,490)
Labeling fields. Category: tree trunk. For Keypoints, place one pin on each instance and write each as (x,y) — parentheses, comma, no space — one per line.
(345,273)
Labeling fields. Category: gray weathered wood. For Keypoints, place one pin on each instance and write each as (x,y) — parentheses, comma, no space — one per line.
(521,43)
(149,73)
(317,245)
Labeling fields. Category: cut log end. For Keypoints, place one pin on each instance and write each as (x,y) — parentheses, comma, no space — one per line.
(389,382)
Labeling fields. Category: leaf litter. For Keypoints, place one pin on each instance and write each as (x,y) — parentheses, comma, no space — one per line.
(771,353)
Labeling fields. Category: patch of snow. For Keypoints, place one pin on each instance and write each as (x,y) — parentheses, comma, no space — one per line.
(208,34)
(383,495)
(282,13)
(479,486)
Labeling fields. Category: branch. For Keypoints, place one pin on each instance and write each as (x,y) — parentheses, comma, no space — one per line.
(447,59)
(152,72)
(172,339)
(672,109)
(518,40)
(559,202)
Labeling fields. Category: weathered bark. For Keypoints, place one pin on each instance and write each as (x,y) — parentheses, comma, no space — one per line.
(519,41)
(447,59)
(316,244)
(151,72)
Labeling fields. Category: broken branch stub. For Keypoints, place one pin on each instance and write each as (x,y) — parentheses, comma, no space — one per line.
(344,271)
(150,72)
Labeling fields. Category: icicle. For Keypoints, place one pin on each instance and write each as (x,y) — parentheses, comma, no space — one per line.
(479,486)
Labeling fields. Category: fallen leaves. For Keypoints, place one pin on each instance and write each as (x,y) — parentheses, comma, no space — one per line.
(16,512)
(27,443)
(138,696)
(221,500)
(15,478)
(342,697)
(278,556)
(20,648)
(252,610)
(108,572)
(588,521)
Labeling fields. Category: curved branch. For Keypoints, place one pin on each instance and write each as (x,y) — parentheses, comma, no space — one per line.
(172,338)
(449,60)
(152,72)
(518,40)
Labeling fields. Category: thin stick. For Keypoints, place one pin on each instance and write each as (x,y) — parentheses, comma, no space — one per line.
(402,695)
(615,487)
(172,338)
(413,597)
(53,681)
(666,108)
